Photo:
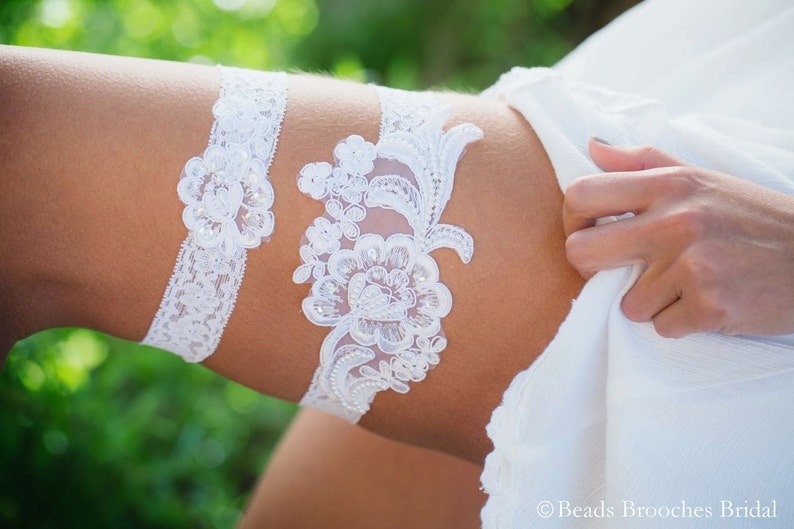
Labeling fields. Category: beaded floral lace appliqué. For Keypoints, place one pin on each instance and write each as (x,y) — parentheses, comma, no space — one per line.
(227,197)
(374,280)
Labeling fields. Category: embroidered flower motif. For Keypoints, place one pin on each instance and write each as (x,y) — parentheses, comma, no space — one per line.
(312,266)
(409,365)
(350,187)
(385,377)
(382,297)
(356,156)
(429,348)
(386,291)
(324,236)
(227,199)
(348,217)
(314,179)
(237,115)
(412,365)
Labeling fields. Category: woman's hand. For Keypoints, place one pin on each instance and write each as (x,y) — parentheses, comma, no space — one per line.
(719,250)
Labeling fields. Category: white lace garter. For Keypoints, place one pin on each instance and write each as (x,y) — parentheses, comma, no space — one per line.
(227,196)
(368,257)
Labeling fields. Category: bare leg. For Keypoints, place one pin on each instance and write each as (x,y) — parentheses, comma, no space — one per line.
(92,148)
(328,473)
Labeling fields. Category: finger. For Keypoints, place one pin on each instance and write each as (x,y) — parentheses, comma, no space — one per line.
(677,320)
(632,158)
(607,246)
(653,292)
(691,313)
(592,197)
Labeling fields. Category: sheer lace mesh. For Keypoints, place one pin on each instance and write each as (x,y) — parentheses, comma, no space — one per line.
(368,257)
(227,197)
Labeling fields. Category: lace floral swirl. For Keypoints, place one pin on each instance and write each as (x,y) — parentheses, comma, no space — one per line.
(227,197)
(381,293)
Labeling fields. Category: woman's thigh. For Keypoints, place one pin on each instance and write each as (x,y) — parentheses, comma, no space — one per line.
(93,147)
(327,473)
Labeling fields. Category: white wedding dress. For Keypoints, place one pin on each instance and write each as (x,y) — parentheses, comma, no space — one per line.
(614,426)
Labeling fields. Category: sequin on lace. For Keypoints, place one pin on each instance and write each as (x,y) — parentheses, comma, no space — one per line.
(368,257)
(227,197)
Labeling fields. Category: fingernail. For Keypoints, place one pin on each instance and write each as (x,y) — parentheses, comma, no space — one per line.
(599,140)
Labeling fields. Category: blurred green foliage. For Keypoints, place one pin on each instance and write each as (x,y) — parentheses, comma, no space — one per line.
(97,432)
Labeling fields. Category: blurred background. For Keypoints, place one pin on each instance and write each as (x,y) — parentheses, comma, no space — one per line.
(98,432)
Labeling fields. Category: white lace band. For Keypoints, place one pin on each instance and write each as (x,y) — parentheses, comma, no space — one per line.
(227,196)
(368,257)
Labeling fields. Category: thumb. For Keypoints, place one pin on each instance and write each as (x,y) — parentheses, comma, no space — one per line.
(635,158)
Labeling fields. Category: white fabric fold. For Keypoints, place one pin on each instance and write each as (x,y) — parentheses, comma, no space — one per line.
(613,418)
